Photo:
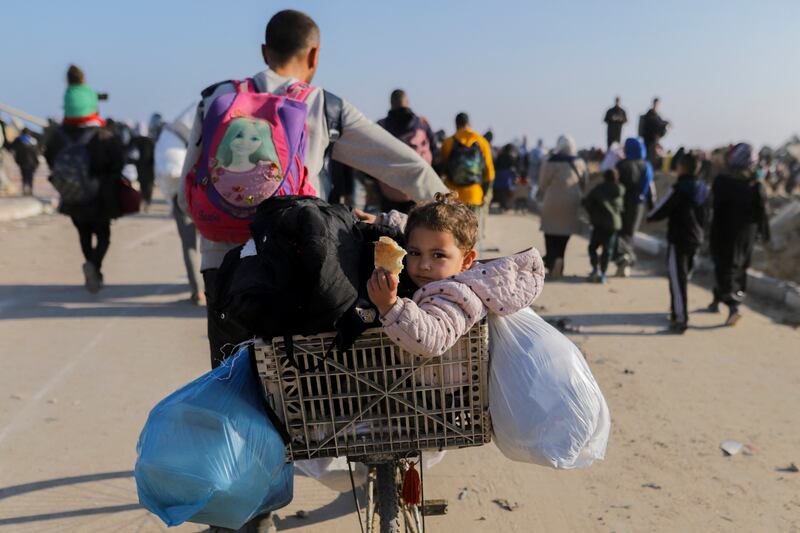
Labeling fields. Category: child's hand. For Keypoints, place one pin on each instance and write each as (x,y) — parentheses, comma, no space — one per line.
(382,290)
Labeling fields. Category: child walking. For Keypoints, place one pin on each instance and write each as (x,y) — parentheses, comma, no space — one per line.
(454,291)
(685,207)
(604,204)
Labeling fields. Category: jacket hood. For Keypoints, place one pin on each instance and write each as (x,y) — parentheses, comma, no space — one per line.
(507,284)
(694,188)
(634,148)
(401,119)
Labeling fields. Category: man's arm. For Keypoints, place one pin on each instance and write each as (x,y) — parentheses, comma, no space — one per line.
(369,148)
(193,149)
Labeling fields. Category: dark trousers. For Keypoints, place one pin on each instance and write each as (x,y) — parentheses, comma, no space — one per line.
(504,197)
(731,255)
(188,235)
(27,176)
(631,220)
(554,246)
(89,230)
(680,262)
(606,240)
(613,135)
(146,186)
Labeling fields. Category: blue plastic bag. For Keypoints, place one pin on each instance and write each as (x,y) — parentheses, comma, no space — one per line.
(209,454)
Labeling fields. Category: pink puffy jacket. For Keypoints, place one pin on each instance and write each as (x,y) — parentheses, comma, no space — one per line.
(442,311)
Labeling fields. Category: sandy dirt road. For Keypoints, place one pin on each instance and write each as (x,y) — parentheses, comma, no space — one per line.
(81,372)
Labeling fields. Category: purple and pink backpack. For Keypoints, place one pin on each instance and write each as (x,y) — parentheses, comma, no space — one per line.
(254,147)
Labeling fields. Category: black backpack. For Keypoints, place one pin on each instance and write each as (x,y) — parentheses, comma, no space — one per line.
(70,174)
(309,275)
(465,164)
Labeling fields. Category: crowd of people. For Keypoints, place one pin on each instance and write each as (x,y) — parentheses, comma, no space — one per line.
(397,162)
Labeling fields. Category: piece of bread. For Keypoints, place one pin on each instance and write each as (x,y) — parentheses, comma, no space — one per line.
(389,256)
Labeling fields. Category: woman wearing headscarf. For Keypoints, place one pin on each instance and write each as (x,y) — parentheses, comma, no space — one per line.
(562,181)
(740,216)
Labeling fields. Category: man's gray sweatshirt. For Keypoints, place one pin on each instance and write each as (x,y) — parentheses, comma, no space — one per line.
(363,145)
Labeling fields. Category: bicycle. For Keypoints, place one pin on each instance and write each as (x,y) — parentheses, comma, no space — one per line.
(378,405)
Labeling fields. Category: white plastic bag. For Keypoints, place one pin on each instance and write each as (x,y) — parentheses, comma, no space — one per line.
(546,406)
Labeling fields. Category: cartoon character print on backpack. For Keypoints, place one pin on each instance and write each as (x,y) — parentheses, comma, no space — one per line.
(254,148)
(246,169)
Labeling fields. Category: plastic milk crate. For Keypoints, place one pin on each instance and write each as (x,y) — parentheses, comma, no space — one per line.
(375,398)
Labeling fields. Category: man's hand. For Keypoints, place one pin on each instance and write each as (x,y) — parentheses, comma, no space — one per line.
(382,290)
(364,216)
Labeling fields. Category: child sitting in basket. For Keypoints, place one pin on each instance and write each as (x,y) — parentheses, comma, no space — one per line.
(454,290)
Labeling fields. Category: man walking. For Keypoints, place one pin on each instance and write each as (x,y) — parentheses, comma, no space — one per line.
(615,119)
(291,52)
(467,162)
(413,130)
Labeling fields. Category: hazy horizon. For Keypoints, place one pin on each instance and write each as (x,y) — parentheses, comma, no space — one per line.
(725,72)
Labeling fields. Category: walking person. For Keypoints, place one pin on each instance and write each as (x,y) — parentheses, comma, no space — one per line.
(739,218)
(171,141)
(413,130)
(636,175)
(615,118)
(604,205)
(685,207)
(536,157)
(468,167)
(562,182)
(90,200)
(26,154)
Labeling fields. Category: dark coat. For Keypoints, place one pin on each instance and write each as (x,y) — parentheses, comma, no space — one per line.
(685,207)
(604,205)
(106,159)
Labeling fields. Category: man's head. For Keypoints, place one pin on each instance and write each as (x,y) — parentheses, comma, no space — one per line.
(291,45)
(399,99)
(74,75)
(617,100)
(462,121)
(656,101)
(610,175)
(687,164)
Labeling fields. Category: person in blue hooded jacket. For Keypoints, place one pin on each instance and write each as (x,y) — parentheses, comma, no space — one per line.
(685,207)
(636,175)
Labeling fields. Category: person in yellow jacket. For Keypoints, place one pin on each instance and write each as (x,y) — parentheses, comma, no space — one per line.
(467,163)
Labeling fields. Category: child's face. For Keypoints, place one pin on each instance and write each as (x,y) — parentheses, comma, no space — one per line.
(434,255)
(246,141)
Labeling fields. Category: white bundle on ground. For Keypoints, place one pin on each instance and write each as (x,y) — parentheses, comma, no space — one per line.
(546,406)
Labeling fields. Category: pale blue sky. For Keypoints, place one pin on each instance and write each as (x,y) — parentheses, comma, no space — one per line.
(725,70)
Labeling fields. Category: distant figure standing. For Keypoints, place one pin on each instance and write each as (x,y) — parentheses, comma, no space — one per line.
(636,175)
(615,119)
(26,154)
(562,181)
(652,128)
(685,207)
(739,217)
(413,130)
